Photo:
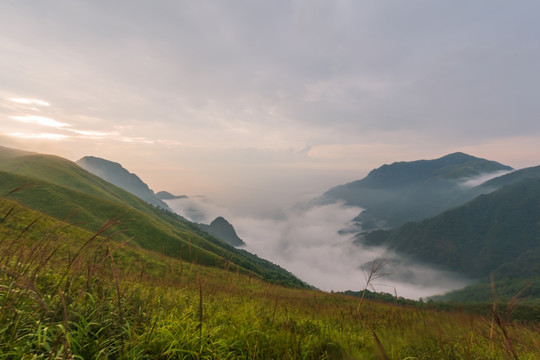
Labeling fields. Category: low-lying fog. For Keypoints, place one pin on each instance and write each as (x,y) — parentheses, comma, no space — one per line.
(307,242)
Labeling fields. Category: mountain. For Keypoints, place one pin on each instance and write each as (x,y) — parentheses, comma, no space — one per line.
(219,228)
(7,154)
(116,174)
(60,188)
(164,195)
(223,230)
(409,191)
(496,234)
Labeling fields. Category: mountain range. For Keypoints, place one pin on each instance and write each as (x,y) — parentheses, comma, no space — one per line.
(394,194)
(473,216)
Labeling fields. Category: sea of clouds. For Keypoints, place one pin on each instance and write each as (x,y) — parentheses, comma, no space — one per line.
(307,241)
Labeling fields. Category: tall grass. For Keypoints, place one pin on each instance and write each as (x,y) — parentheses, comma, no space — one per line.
(66,293)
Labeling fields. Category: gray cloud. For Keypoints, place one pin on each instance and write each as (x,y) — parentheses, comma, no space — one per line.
(432,66)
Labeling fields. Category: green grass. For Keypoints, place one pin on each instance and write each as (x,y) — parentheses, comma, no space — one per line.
(66,292)
(62,172)
(63,190)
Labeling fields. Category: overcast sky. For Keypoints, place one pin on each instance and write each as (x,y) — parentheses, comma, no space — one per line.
(256,103)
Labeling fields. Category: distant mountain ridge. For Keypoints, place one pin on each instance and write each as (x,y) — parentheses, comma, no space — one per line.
(409,191)
(116,174)
(165,195)
(452,166)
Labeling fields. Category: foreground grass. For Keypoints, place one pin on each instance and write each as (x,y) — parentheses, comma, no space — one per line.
(68,294)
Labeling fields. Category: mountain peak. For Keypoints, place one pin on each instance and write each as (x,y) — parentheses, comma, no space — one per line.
(219,220)
(223,230)
(459,156)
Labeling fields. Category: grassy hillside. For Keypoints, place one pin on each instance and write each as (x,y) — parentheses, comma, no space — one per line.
(62,172)
(68,293)
(63,190)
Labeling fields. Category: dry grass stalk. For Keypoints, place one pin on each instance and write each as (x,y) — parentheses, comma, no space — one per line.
(374,273)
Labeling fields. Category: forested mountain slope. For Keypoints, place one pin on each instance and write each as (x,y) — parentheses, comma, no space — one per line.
(409,191)
(495,234)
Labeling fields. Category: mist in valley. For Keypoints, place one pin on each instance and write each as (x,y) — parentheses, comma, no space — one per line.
(482,178)
(307,241)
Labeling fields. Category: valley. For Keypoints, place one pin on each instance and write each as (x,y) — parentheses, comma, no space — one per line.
(89,268)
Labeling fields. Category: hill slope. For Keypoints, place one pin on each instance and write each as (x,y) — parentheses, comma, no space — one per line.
(64,190)
(408,191)
(116,174)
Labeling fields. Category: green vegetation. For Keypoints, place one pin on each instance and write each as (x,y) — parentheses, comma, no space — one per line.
(520,309)
(495,234)
(68,293)
(60,188)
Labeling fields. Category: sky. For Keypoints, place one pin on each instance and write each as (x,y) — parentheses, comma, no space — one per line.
(257,104)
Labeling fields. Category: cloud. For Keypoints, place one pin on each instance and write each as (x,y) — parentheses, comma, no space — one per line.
(95,134)
(42,136)
(26,101)
(308,244)
(482,178)
(347,66)
(307,241)
(40,120)
(64,131)
(197,209)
